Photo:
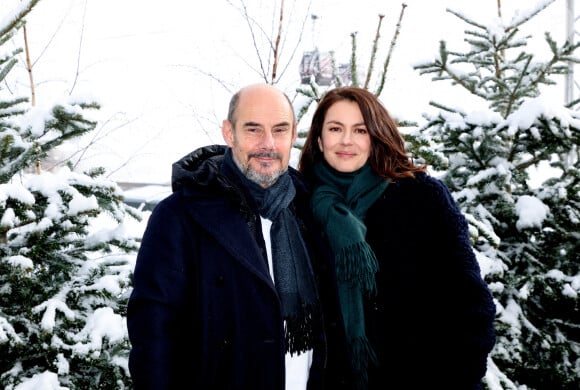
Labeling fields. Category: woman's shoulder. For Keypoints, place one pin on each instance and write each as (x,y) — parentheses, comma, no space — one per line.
(423,189)
(421,181)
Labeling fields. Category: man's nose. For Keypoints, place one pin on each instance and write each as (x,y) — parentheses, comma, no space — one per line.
(268,139)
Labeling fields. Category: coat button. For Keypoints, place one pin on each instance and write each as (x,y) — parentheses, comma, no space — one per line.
(224,344)
(220,280)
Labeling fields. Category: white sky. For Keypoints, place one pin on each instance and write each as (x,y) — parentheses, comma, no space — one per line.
(148,64)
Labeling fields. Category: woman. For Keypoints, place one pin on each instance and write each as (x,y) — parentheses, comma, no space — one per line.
(416,312)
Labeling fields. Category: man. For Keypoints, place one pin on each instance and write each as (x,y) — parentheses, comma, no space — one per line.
(225,293)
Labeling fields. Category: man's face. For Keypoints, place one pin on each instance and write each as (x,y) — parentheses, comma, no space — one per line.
(263,135)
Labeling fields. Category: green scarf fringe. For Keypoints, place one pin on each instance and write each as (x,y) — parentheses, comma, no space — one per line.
(362,356)
(357,263)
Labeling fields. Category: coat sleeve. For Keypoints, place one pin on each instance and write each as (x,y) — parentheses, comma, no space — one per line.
(471,309)
(155,311)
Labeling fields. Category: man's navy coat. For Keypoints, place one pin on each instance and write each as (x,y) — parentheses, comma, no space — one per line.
(204,313)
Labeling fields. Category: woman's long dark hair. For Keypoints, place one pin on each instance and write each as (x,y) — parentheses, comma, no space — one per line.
(388,156)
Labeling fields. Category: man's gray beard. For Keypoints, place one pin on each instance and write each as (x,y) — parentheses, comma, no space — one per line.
(261,180)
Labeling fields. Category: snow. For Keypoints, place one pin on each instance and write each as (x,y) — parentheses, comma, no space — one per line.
(531,212)
(539,107)
(20,261)
(45,381)
(154,75)
(16,191)
(50,184)
(50,307)
(572,286)
(103,323)
(6,328)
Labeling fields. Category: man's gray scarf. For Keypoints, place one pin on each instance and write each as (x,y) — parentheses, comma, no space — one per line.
(293,276)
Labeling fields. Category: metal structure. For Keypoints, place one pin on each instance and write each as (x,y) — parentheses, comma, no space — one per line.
(571,32)
(320,66)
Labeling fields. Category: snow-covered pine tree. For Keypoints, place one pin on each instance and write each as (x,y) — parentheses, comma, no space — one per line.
(526,236)
(63,282)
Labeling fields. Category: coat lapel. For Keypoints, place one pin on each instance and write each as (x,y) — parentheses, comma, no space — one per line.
(228,227)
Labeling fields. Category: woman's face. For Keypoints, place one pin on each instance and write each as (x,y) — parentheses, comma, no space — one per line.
(345,141)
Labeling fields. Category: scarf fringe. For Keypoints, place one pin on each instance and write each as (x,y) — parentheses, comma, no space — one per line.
(299,332)
(358,263)
(362,356)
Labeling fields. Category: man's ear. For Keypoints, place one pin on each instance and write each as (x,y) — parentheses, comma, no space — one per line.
(228,132)
(294,133)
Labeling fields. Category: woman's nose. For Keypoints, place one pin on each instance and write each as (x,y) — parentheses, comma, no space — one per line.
(346,137)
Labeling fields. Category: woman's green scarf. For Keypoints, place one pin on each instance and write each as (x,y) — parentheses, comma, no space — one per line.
(340,202)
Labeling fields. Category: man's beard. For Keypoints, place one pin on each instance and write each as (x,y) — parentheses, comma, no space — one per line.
(258,178)
(262,180)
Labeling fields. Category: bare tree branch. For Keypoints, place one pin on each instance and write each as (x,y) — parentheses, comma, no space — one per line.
(29,68)
(277,44)
(81,35)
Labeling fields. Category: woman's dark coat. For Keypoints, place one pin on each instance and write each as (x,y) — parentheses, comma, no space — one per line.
(204,313)
(431,321)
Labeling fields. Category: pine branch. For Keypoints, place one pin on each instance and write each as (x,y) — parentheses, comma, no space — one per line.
(17,20)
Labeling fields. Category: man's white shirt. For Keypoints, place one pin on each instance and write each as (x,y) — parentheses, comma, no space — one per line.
(298,365)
